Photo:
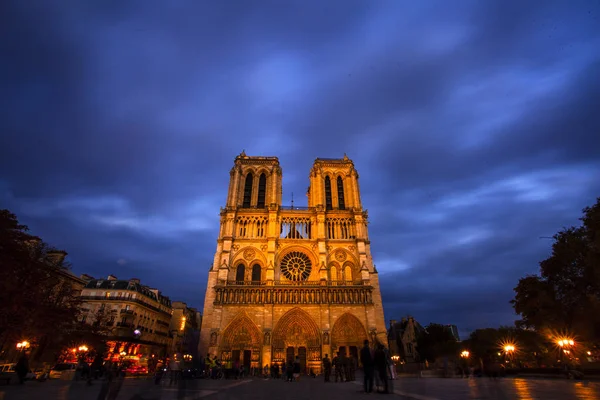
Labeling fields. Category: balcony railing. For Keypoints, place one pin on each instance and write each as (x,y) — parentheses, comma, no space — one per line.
(293,295)
(296,208)
(123,300)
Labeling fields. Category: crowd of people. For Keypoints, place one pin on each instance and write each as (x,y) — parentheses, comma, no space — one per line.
(378,368)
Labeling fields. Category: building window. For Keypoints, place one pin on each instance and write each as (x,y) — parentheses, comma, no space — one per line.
(262,190)
(240,272)
(328,203)
(127,307)
(247,191)
(409,348)
(107,295)
(340,190)
(256,273)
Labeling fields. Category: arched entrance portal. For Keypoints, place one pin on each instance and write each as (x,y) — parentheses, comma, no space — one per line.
(348,335)
(241,344)
(296,334)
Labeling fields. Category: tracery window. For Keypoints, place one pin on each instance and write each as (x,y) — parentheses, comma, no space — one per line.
(328,203)
(295,228)
(256,273)
(296,266)
(262,189)
(340,190)
(240,272)
(247,191)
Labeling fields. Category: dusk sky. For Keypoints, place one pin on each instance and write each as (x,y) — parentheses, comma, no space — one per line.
(474,126)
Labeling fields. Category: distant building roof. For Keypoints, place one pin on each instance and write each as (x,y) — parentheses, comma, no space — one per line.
(128,285)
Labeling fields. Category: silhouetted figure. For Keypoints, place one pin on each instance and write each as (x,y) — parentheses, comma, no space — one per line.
(22,368)
(366,359)
(381,366)
(327,367)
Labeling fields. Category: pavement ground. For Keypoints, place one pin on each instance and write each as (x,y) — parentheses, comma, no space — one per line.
(312,389)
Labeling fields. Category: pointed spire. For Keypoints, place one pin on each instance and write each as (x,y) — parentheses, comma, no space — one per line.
(364,267)
(323,266)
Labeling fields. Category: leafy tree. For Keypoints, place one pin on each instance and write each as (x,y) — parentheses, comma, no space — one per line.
(37,300)
(565,296)
(436,341)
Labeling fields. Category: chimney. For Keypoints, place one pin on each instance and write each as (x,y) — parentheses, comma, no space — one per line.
(134,280)
(393,322)
(111,277)
(56,257)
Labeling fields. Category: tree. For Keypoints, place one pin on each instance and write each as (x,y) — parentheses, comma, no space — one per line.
(37,301)
(565,296)
(436,341)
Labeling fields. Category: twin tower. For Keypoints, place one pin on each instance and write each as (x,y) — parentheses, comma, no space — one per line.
(291,281)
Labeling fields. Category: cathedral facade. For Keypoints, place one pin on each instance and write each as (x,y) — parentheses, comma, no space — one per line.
(291,281)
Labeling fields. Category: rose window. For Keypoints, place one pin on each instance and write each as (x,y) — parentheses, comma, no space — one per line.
(296,266)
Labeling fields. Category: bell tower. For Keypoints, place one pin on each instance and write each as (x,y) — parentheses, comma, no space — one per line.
(255,182)
(334,185)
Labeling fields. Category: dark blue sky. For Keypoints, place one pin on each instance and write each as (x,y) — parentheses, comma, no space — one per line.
(474,125)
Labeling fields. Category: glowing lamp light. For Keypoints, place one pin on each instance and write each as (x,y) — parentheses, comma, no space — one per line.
(182,326)
(509,348)
(137,332)
(23,345)
(464,354)
(589,353)
(83,348)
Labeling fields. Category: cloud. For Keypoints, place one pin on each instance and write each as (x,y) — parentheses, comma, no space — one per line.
(473,127)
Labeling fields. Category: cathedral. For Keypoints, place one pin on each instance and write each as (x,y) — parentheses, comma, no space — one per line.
(291,281)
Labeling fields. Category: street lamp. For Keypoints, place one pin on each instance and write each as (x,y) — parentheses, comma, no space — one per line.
(464,354)
(509,349)
(23,345)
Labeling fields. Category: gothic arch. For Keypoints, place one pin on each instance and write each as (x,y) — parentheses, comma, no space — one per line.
(233,268)
(350,271)
(296,328)
(348,331)
(334,270)
(241,334)
(249,255)
(342,255)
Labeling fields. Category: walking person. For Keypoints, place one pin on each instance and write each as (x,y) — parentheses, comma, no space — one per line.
(339,367)
(297,369)
(175,368)
(22,368)
(381,366)
(327,367)
(290,371)
(366,359)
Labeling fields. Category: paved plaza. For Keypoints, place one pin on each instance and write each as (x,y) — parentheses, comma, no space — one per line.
(312,389)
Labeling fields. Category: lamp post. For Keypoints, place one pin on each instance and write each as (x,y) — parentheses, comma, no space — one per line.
(565,347)
(509,351)
(465,357)
(22,346)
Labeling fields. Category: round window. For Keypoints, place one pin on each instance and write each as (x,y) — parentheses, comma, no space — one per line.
(296,266)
